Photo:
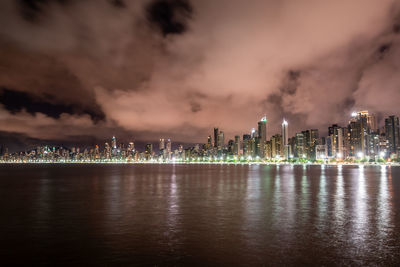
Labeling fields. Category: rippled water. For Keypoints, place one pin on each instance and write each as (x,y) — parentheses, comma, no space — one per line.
(199,215)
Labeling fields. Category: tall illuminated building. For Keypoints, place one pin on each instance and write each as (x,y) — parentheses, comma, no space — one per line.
(253,133)
(285,133)
(276,146)
(97,152)
(359,128)
(340,144)
(107,151)
(310,142)
(231,147)
(220,140)
(131,147)
(268,150)
(371,122)
(262,136)
(392,134)
(236,150)
(162,144)
(148,151)
(285,140)
(209,142)
(114,142)
(114,150)
(299,146)
(215,137)
(169,148)
(246,145)
(335,142)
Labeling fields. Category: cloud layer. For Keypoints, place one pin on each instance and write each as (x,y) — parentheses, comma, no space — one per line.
(146,69)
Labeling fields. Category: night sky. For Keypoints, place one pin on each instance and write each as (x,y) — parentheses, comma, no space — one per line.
(84,70)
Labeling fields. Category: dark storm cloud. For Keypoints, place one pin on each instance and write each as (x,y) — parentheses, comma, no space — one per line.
(169,16)
(31,10)
(118,3)
(384,49)
(15,101)
(195,107)
(291,82)
(396,28)
(42,75)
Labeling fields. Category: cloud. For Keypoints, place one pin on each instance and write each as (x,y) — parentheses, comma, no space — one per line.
(379,86)
(179,68)
(41,126)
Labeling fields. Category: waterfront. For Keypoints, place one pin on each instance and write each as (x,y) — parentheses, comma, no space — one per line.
(198,214)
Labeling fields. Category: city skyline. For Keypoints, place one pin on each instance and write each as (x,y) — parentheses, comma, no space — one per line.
(360,140)
(87,141)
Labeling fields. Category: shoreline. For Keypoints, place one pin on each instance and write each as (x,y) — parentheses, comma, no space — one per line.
(211,163)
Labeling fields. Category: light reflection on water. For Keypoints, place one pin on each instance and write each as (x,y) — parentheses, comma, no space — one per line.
(339,202)
(360,222)
(194,214)
(385,202)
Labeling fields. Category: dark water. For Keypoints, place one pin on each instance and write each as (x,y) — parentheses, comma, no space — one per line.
(199,215)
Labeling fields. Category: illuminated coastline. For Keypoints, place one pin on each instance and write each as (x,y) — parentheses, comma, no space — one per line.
(245,162)
(360,142)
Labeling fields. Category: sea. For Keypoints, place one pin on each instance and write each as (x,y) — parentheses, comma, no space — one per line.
(199,215)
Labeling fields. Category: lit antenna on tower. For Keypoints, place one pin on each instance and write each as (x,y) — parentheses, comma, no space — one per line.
(264,118)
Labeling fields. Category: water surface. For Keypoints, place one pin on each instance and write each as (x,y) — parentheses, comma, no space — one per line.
(150,214)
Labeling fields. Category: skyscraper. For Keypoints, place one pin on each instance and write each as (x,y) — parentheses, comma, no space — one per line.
(237,145)
(114,142)
(169,145)
(107,151)
(310,143)
(162,144)
(285,134)
(209,142)
(285,140)
(335,141)
(231,147)
(276,146)
(362,124)
(392,134)
(215,137)
(220,140)
(262,136)
(148,151)
(246,145)
(131,147)
(299,151)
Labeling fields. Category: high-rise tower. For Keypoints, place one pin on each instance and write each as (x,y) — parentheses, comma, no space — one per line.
(262,136)
(114,142)
(392,134)
(215,137)
(285,133)
(162,144)
(285,140)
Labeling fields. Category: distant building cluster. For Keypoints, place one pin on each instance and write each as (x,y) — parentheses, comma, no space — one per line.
(360,140)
